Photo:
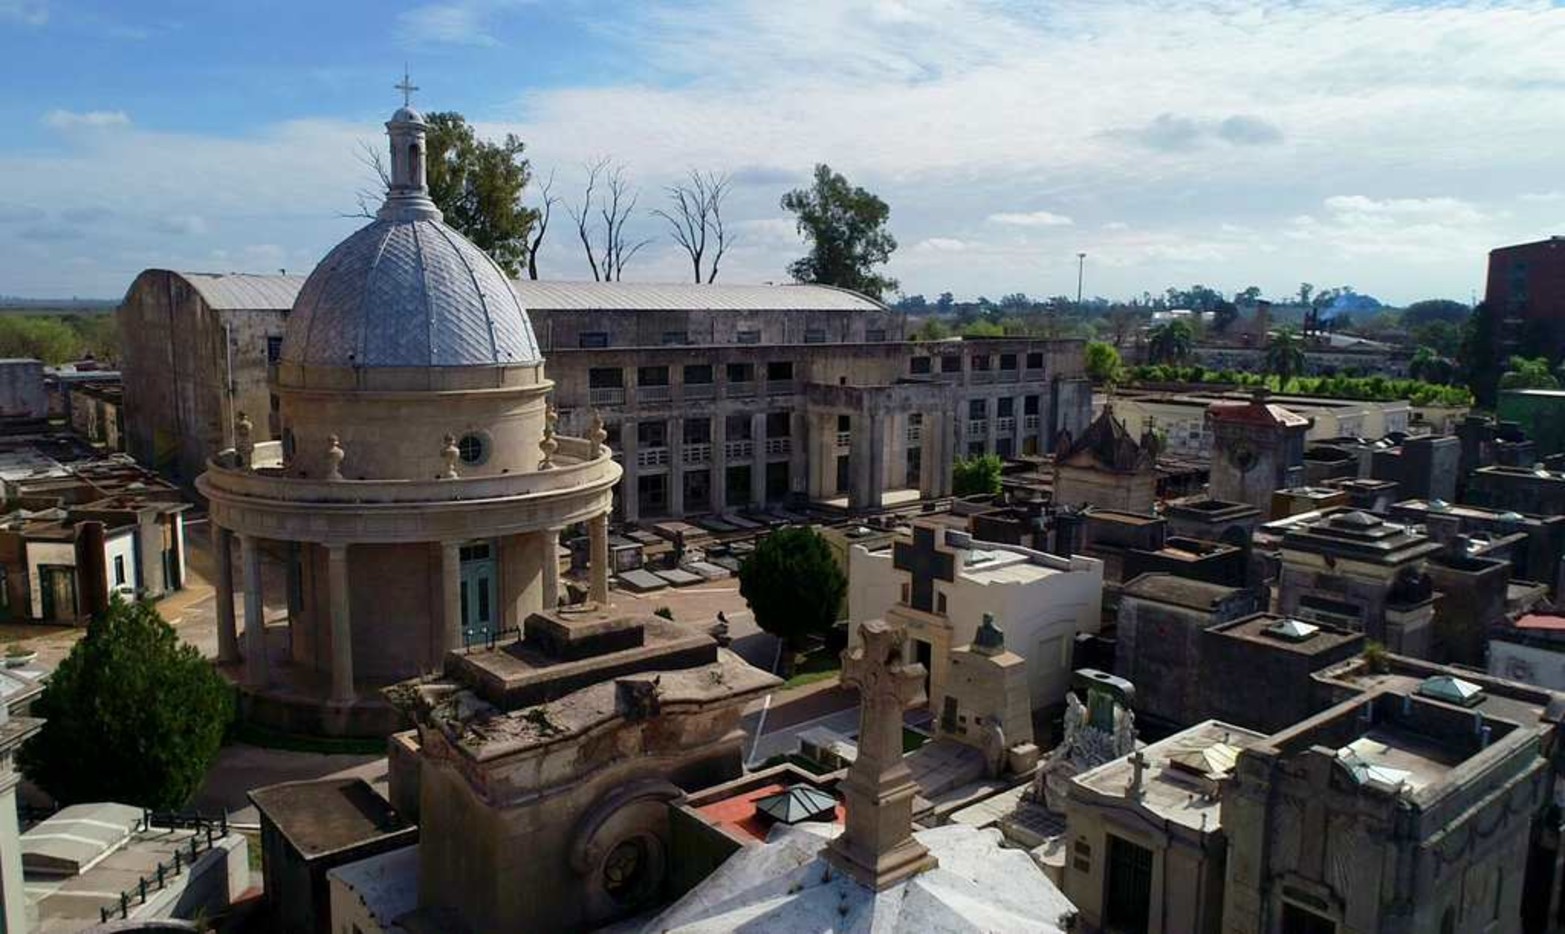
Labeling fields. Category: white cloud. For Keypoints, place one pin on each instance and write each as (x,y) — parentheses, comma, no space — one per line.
(90,119)
(941,245)
(1032,219)
(187,225)
(460,22)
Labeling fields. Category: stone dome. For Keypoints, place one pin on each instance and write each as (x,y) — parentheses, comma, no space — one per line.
(408,292)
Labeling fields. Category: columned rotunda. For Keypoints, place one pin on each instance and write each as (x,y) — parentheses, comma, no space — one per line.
(418,492)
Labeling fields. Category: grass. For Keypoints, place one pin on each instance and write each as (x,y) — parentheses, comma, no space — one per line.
(254,735)
(814,665)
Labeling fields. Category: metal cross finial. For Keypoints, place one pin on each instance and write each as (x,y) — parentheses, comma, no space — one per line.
(407,88)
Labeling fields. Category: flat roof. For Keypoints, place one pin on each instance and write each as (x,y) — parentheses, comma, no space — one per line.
(326,815)
(1170,791)
(1254,629)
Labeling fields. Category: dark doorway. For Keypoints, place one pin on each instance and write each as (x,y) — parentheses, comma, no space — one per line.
(1128,892)
(924,652)
(844,475)
(776,481)
(1297,920)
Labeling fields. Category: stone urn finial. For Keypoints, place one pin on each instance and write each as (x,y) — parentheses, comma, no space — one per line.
(244,445)
(449,454)
(334,456)
(548,445)
(596,435)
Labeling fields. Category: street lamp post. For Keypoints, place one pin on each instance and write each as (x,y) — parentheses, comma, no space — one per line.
(1081,266)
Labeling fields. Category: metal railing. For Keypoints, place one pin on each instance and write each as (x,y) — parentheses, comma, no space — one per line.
(844,439)
(207,832)
(776,446)
(978,428)
(696,455)
(1010,376)
(739,449)
(652,457)
(654,393)
(983,376)
(1005,425)
(1030,422)
(488,637)
(741,389)
(700,391)
(915,434)
(606,396)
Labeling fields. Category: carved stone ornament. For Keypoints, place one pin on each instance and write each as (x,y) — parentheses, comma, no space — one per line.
(548,445)
(334,456)
(244,444)
(450,454)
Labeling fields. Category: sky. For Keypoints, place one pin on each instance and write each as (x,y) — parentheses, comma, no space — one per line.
(1387,146)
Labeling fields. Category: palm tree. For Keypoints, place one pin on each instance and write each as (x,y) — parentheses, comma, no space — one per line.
(1284,356)
(1170,342)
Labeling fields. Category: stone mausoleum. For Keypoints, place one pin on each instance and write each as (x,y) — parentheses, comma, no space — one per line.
(417,493)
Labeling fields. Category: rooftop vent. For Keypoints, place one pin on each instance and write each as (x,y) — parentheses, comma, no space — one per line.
(1214,760)
(1292,630)
(1451,690)
(798,803)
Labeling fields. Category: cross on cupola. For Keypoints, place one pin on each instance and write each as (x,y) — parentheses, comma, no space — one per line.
(925,563)
(407,88)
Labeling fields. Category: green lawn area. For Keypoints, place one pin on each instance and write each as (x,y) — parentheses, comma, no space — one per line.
(816,664)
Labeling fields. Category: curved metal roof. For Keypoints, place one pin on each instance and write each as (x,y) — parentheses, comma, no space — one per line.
(408,293)
(544,295)
(242,291)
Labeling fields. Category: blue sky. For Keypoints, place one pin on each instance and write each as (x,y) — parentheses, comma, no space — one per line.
(1382,145)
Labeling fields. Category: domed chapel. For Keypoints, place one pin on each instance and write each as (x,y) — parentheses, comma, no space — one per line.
(418,492)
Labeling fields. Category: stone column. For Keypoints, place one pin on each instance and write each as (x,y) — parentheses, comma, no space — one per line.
(13,900)
(451,594)
(598,565)
(799,453)
(341,624)
(676,468)
(719,460)
(758,463)
(628,491)
(868,460)
(223,555)
(992,420)
(1019,433)
(255,619)
(551,569)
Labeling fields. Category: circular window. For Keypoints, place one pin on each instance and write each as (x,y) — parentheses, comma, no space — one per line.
(473,449)
(632,870)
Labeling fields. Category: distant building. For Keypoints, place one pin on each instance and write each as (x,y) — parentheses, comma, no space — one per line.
(1530,650)
(1526,288)
(1106,467)
(1257,448)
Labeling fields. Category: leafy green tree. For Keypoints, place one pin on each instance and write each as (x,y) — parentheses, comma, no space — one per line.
(132,715)
(42,337)
(1528,373)
(846,230)
(945,302)
(793,585)
(984,329)
(1429,366)
(1435,310)
(978,475)
(478,185)
(933,329)
(1170,342)
(1102,362)
(1480,354)
(1285,355)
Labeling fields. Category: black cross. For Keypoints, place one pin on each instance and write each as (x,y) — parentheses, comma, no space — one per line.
(926,564)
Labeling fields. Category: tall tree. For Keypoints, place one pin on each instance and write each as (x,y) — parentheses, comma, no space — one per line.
(695,218)
(545,211)
(1170,342)
(478,186)
(1285,356)
(793,585)
(1102,362)
(1480,353)
(1528,373)
(607,202)
(132,714)
(846,230)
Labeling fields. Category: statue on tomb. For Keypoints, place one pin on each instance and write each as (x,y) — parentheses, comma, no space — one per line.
(1098,730)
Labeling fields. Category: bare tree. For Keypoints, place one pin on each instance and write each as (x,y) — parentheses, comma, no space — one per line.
(369,199)
(541,226)
(696,219)
(614,205)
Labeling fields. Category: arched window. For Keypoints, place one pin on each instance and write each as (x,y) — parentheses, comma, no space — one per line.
(415,166)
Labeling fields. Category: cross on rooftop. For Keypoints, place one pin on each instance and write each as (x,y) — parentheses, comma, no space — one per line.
(407,88)
(926,563)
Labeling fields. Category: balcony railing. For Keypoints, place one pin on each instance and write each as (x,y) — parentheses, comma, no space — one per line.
(983,376)
(1010,376)
(1029,423)
(739,450)
(1005,425)
(1032,374)
(844,438)
(978,428)
(700,391)
(607,396)
(654,393)
(697,455)
(652,457)
(778,446)
(915,434)
(741,389)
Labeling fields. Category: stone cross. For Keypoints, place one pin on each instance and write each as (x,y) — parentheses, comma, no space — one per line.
(877,847)
(407,88)
(334,456)
(926,564)
(449,454)
(1138,764)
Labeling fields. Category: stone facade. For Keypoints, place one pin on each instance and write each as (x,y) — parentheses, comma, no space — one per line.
(1256,672)
(17,692)
(1105,467)
(1178,416)
(1257,448)
(987,704)
(1533,544)
(1160,625)
(1518,489)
